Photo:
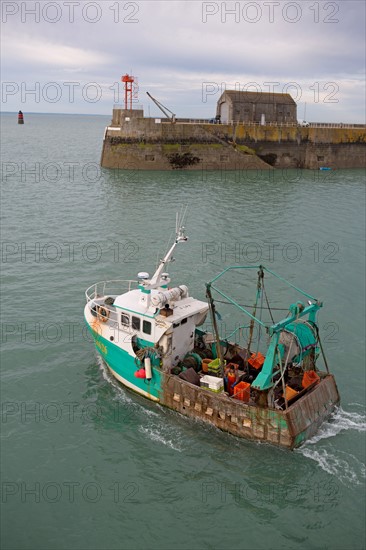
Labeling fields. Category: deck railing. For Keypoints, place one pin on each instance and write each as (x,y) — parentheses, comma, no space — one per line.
(109,288)
(210,122)
(277,124)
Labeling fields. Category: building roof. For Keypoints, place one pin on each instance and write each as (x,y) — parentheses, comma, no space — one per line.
(258,97)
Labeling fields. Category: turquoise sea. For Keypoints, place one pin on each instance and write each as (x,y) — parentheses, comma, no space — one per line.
(88,465)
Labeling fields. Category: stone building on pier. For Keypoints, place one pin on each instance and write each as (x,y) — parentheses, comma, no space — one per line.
(260,107)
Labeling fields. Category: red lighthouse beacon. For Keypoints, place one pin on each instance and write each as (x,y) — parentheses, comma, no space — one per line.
(128,81)
(20,118)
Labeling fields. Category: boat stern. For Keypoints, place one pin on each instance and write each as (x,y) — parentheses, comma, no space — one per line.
(306,415)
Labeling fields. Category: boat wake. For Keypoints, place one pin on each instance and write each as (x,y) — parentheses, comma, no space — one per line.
(348,470)
(111,380)
(340,421)
(346,467)
(154,430)
(156,433)
(122,393)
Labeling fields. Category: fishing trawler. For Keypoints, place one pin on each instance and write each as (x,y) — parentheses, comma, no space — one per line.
(151,337)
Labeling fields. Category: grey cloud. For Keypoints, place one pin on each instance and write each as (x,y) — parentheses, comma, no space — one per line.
(174,51)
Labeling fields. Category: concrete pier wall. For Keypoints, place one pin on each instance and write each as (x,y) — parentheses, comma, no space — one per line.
(135,142)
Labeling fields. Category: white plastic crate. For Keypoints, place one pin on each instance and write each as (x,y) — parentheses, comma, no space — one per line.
(212,383)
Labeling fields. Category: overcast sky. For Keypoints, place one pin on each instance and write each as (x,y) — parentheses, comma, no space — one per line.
(68,56)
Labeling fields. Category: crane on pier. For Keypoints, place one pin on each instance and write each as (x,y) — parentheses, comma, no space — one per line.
(163,109)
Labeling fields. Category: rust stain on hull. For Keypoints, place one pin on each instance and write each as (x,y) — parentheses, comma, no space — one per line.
(288,428)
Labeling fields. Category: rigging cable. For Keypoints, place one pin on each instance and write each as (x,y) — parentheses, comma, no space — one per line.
(269,309)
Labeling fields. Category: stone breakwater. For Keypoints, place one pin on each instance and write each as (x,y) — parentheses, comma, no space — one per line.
(134,142)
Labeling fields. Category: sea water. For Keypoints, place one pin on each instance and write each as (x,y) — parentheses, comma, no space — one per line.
(87,464)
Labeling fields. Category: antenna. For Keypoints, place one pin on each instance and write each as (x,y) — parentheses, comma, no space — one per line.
(180,220)
(179,237)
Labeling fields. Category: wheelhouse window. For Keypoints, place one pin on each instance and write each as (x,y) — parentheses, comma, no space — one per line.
(135,323)
(146,327)
(125,320)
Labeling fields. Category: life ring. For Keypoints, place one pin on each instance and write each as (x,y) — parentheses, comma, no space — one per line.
(103,314)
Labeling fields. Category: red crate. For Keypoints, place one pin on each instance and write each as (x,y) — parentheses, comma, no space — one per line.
(256,360)
(242,391)
(309,378)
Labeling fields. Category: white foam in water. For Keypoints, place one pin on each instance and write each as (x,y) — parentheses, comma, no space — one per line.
(340,421)
(348,470)
(103,367)
(156,429)
(155,435)
(345,466)
(122,391)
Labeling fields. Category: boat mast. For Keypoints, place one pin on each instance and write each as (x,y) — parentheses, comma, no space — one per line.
(179,237)
(215,327)
(259,289)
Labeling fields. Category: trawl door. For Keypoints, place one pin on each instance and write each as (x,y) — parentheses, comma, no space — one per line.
(183,339)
